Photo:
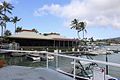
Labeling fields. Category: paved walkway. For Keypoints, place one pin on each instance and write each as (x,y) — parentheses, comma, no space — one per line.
(29,73)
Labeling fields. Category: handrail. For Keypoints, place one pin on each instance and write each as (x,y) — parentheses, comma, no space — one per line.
(72,57)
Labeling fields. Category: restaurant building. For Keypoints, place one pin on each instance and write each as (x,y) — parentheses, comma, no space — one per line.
(29,38)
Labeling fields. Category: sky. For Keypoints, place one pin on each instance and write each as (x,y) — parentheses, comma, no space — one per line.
(102,16)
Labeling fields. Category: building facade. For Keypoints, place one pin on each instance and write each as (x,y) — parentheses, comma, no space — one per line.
(29,38)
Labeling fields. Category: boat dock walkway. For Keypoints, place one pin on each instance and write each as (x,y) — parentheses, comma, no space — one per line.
(30,73)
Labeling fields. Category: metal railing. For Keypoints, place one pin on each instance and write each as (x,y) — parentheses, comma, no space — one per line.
(66,56)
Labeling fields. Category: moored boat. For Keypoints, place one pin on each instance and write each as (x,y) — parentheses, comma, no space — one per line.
(45,57)
(33,57)
(86,71)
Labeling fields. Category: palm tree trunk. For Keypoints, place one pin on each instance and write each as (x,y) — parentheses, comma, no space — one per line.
(2,31)
(15,27)
(78,34)
(5,24)
(78,38)
(83,34)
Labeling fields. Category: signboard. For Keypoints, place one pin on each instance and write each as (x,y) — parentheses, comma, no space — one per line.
(98,73)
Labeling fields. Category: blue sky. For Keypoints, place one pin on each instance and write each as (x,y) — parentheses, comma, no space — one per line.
(102,16)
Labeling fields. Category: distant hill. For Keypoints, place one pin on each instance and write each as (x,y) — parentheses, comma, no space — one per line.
(111,40)
(116,39)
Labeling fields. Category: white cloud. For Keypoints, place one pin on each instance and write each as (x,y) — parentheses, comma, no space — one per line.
(53,9)
(96,12)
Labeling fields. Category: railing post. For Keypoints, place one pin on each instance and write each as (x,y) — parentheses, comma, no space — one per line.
(107,65)
(57,59)
(47,61)
(74,70)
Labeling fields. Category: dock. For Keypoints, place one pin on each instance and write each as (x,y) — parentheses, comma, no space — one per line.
(30,73)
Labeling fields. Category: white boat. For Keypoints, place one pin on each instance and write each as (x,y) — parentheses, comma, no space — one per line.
(92,71)
(50,57)
(3,46)
(33,57)
(44,57)
(99,51)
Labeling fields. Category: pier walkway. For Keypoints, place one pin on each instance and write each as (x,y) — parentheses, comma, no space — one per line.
(30,73)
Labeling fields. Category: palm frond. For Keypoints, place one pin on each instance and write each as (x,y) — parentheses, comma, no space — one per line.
(9,11)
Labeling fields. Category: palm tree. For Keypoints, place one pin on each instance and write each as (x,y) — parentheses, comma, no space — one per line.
(35,30)
(1,22)
(1,10)
(79,26)
(7,33)
(7,7)
(2,25)
(5,19)
(83,24)
(91,39)
(15,20)
(75,25)
(18,29)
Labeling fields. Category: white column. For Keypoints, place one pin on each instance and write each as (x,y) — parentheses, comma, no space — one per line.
(47,61)
(56,52)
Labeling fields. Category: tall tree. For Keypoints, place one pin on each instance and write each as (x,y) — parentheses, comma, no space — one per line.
(18,29)
(5,19)
(7,33)
(5,8)
(15,20)
(2,24)
(35,30)
(79,26)
(83,24)
(75,25)
(1,10)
